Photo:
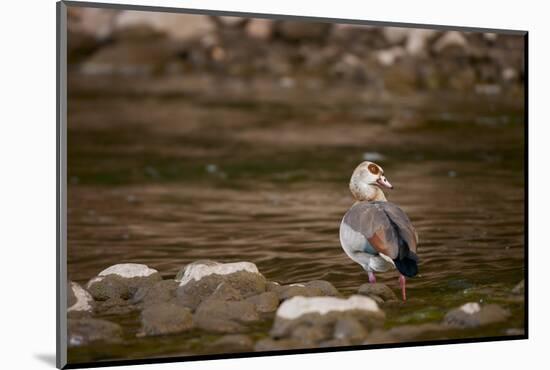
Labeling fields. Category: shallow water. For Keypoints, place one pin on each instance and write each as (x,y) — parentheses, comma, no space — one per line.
(168,179)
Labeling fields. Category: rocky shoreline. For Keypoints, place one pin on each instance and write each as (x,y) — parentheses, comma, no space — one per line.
(226,299)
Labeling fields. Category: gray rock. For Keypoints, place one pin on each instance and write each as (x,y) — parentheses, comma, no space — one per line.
(220,316)
(234,343)
(326,288)
(121,281)
(166,318)
(272,286)
(471,315)
(311,335)
(293,290)
(200,279)
(269,344)
(226,292)
(162,291)
(324,312)
(111,286)
(265,302)
(87,330)
(519,288)
(115,306)
(132,58)
(377,290)
(407,333)
(283,328)
(349,329)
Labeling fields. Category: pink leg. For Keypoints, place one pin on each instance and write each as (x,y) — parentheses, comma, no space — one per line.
(402,283)
(372,278)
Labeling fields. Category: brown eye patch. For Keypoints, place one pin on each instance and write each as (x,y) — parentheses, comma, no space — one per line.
(374,169)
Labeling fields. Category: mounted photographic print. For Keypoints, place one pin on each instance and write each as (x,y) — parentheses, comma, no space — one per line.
(236,185)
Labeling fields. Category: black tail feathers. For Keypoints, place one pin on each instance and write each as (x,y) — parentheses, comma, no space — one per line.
(408,266)
(406,261)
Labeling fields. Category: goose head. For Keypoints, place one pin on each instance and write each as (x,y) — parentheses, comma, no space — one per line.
(367,182)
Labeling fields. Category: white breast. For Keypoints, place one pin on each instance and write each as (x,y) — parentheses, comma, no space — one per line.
(353,243)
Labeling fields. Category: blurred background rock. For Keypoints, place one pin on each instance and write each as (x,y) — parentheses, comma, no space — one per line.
(291,53)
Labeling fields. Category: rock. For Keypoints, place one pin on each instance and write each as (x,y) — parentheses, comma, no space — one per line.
(272,286)
(165,318)
(87,330)
(406,333)
(265,302)
(141,57)
(226,292)
(96,22)
(180,27)
(471,315)
(349,329)
(324,312)
(269,344)
(115,306)
(417,41)
(234,343)
(377,290)
(515,331)
(326,288)
(220,316)
(388,57)
(302,30)
(71,297)
(200,279)
(162,291)
(260,29)
(78,299)
(334,343)
(395,35)
(519,288)
(310,335)
(451,39)
(121,281)
(293,290)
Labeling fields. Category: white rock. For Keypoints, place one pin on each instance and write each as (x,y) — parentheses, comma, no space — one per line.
(260,28)
(470,308)
(509,74)
(417,40)
(297,306)
(198,270)
(388,57)
(83,299)
(490,36)
(452,38)
(128,270)
(176,26)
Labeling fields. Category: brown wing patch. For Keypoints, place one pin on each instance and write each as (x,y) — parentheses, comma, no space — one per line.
(379,242)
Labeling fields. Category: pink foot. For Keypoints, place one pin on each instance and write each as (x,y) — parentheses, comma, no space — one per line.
(372,278)
(402,283)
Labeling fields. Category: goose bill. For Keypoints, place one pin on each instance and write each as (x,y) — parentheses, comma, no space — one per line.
(382,181)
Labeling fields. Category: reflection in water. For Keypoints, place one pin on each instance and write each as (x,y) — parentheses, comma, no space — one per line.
(143,192)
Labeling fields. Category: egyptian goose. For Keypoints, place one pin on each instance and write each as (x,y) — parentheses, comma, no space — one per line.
(375,233)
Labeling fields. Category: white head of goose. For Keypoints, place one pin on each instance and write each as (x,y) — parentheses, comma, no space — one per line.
(375,233)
